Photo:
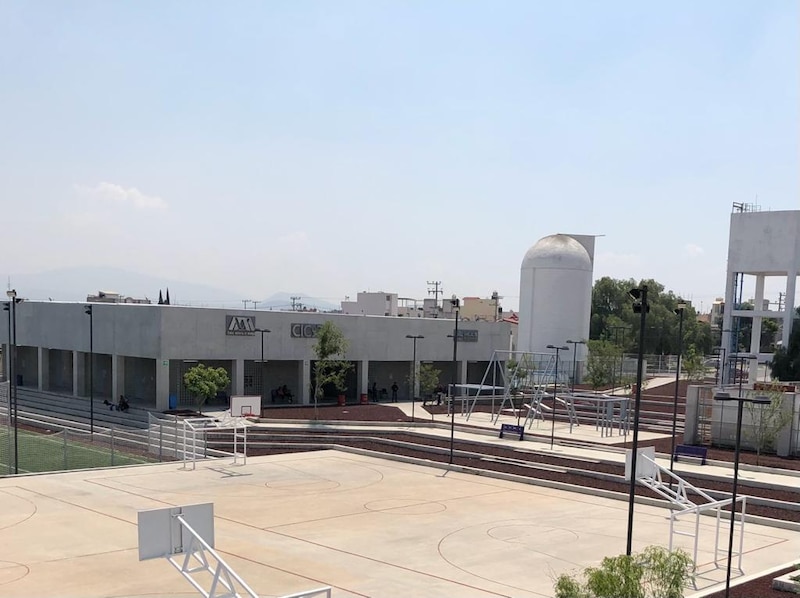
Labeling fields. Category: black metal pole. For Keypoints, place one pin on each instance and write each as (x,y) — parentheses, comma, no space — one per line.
(91,370)
(642,292)
(7,307)
(680,310)
(261,372)
(733,497)
(574,362)
(413,378)
(453,387)
(555,396)
(14,381)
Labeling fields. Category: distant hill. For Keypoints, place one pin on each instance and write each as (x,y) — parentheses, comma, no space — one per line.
(74,284)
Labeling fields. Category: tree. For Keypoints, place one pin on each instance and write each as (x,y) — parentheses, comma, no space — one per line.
(693,364)
(786,360)
(767,420)
(428,378)
(655,572)
(204,383)
(601,363)
(330,366)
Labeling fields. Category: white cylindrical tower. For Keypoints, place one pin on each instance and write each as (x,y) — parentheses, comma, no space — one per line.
(555,298)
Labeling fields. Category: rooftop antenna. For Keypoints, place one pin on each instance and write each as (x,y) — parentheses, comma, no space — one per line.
(296,305)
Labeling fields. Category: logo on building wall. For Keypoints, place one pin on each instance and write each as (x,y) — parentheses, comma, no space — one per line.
(467,336)
(240,325)
(304,330)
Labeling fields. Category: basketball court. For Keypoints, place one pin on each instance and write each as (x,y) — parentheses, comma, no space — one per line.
(293,522)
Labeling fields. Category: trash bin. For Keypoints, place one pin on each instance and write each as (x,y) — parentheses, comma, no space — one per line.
(173,401)
(19,380)
(364,398)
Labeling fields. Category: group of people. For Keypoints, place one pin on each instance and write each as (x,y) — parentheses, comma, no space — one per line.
(375,396)
(282,394)
(121,405)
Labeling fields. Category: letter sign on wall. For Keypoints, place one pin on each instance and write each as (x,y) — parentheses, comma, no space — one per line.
(305,330)
(240,325)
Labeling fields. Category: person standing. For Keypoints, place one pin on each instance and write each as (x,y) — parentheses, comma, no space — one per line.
(394,392)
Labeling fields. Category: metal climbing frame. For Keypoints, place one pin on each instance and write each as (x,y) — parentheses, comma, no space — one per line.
(524,378)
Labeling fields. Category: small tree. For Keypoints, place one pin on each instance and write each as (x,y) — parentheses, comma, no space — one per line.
(692,364)
(330,366)
(204,383)
(600,364)
(767,420)
(427,377)
(652,573)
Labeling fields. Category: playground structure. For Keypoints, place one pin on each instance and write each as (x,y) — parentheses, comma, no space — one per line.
(195,430)
(522,381)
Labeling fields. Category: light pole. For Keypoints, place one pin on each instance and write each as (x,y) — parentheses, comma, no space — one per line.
(414,338)
(455,303)
(640,306)
(89,312)
(9,373)
(724,396)
(574,361)
(12,314)
(261,372)
(679,312)
(555,392)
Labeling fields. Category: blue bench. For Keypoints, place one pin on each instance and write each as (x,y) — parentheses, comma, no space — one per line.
(512,429)
(685,450)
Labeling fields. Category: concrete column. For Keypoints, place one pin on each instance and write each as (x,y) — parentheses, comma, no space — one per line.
(462,373)
(237,385)
(363,377)
(788,314)
(755,334)
(727,321)
(44,368)
(117,376)
(76,378)
(162,384)
(415,377)
(304,383)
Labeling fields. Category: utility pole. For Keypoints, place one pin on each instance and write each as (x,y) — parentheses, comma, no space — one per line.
(245,302)
(255,303)
(435,291)
(496,299)
(296,305)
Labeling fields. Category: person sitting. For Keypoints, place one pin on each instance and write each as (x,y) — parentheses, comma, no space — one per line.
(123,405)
(287,394)
(280,394)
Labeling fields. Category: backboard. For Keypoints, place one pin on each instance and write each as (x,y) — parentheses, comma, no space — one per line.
(245,405)
(161,534)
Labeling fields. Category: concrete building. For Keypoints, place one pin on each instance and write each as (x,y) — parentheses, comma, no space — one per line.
(760,245)
(142,351)
(372,304)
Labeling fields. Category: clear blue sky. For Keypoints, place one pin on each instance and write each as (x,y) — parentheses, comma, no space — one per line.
(339,146)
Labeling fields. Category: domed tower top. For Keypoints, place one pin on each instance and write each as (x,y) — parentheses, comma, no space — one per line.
(561,252)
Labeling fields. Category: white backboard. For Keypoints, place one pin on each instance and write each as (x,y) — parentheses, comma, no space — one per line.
(161,534)
(245,405)
(643,466)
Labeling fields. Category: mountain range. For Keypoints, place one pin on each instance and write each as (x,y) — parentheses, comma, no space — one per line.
(75,284)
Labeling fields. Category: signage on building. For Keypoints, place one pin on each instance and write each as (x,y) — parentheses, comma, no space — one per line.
(240,325)
(304,330)
(467,336)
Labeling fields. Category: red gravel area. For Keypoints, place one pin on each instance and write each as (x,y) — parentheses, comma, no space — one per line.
(757,588)
(372,412)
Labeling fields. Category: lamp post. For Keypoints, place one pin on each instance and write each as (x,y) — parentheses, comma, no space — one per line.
(574,360)
(640,306)
(723,397)
(261,372)
(679,312)
(455,303)
(414,338)
(12,358)
(89,312)
(8,371)
(555,392)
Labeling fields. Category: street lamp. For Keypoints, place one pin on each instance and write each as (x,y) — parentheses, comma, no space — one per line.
(455,304)
(640,306)
(12,366)
(261,372)
(88,311)
(679,312)
(555,392)
(723,397)
(414,338)
(574,361)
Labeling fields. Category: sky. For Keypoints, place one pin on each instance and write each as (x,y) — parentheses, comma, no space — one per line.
(337,147)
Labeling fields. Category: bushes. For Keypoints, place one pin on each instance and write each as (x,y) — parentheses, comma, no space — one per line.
(653,573)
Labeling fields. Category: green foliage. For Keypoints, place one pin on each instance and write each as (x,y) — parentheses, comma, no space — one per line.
(768,420)
(517,374)
(330,366)
(786,361)
(428,378)
(611,307)
(653,573)
(204,383)
(602,363)
(692,364)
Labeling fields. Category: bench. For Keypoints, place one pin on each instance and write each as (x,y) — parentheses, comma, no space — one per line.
(512,429)
(685,450)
